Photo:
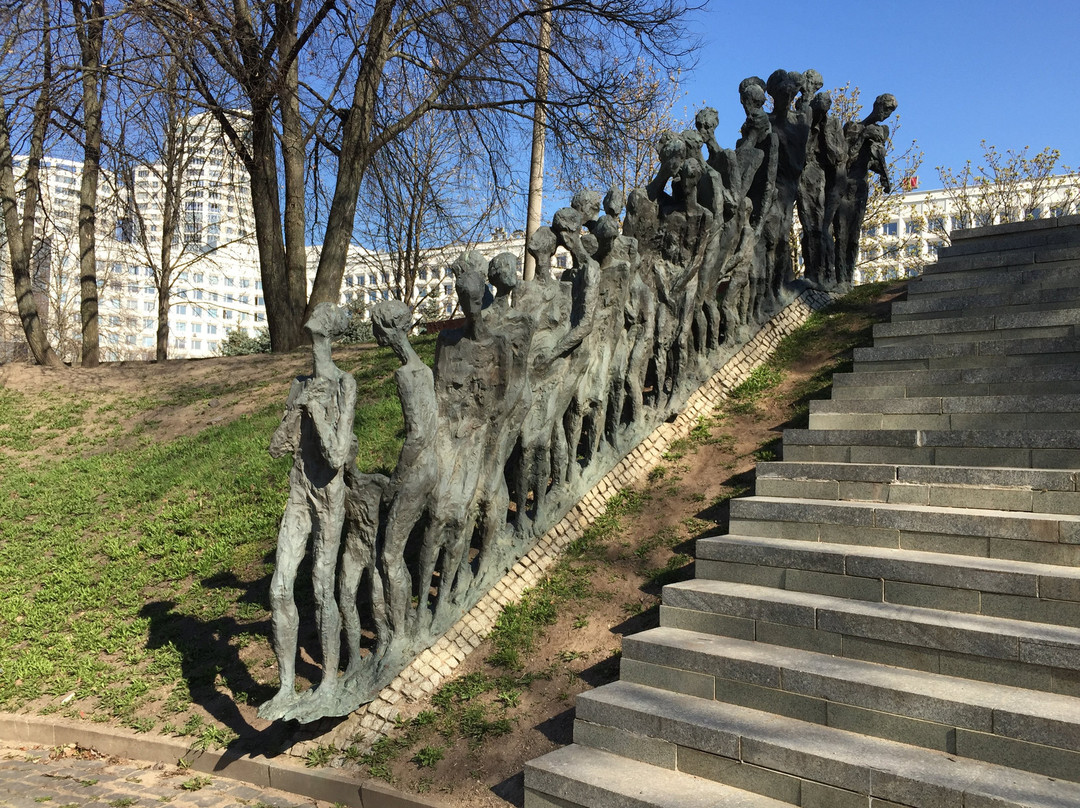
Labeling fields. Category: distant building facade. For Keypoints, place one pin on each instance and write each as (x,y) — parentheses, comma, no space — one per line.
(217,285)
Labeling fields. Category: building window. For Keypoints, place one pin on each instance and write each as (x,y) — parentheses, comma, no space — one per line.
(890,228)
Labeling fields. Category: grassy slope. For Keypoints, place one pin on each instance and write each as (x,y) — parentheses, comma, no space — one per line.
(134,572)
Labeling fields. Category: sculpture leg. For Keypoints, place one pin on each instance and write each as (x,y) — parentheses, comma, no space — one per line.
(356,559)
(326,539)
(284,620)
(404,512)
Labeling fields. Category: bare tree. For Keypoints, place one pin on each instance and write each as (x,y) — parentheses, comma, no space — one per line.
(351,90)
(27,78)
(89,25)
(163,141)
(1005,187)
(423,191)
(629,159)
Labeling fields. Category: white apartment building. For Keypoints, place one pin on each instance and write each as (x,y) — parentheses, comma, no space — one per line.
(218,286)
(907,234)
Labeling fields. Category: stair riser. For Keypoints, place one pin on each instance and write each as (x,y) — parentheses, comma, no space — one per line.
(1060,275)
(978,337)
(885,709)
(942,421)
(872,392)
(902,649)
(857,586)
(1012,301)
(952,264)
(969,361)
(941,456)
(1023,500)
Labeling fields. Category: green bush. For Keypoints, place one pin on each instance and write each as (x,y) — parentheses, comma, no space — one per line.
(239,343)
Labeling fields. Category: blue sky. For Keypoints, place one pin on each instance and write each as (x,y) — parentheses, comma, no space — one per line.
(1006,72)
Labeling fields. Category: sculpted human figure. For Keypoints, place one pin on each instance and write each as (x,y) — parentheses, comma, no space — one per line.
(826,153)
(566,224)
(642,219)
(543,444)
(716,189)
(792,128)
(587,203)
(755,151)
(415,474)
(317,430)
(471,374)
(363,503)
(738,296)
(671,149)
(512,329)
(867,141)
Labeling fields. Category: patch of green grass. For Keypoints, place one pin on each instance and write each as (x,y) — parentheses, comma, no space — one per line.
(428,756)
(196,783)
(744,397)
(320,755)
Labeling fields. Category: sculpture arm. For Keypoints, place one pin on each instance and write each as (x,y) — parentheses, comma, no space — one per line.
(335,435)
(287,436)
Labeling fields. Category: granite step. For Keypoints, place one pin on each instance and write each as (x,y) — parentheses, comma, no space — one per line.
(991,281)
(1025,448)
(1017,590)
(1008,300)
(1038,537)
(810,764)
(1057,379)
(578,776)
(1042,324)
(953,264)
(910,706)
(948,412)
(1014,235)
(1006,489)
(1007,651)
(988,353)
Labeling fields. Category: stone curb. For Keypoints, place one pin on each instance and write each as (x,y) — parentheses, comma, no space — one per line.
(255,770)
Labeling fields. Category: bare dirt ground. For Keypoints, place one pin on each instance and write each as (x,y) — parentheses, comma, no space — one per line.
(685,498)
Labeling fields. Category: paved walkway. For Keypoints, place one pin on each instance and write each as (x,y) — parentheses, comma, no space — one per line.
(36,777)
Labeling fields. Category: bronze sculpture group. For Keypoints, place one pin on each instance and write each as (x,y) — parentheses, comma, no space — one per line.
(552,381)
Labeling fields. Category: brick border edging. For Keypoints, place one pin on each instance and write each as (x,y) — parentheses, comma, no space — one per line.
(437,663)
(261,772)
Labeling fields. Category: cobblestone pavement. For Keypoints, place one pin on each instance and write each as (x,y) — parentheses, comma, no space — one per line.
(35,777)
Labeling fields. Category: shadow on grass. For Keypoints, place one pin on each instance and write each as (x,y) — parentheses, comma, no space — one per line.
(208,649)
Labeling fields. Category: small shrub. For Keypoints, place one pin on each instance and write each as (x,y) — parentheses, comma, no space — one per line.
(238,342)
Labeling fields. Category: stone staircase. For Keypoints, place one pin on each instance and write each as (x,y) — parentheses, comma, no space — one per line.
(894,617)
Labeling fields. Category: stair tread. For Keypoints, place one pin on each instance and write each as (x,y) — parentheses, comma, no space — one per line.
(980,476)
(1014,438)
(934,405)
(585,776)
(709,548)
(880,768)
(897,507)
(807,606)
(777,666)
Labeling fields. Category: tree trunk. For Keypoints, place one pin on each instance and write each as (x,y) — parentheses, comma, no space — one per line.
(353,160)
(90,32)
(293,153)
(284,323)
(20,232)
